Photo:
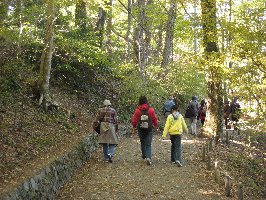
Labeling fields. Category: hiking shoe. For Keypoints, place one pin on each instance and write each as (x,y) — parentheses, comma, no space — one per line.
(110,160)
(143,157)
(148,160)
(178,163)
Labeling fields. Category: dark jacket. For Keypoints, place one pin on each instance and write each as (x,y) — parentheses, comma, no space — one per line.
(195,108)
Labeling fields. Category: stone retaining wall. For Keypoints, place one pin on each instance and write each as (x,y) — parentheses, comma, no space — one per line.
(45,183)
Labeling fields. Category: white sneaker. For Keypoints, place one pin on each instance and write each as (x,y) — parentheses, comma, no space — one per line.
(148,161)
(178,163)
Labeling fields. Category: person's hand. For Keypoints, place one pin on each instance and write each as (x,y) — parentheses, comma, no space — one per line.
(157,130)
(133,132)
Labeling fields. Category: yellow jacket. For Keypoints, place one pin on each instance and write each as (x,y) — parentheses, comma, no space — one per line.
(174,127)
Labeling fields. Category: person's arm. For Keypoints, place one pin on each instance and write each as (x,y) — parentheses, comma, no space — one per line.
(166,126)
(98,116)
(116,121)
(135,118)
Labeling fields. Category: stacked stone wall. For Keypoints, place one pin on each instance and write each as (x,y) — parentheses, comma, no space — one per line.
(46,182)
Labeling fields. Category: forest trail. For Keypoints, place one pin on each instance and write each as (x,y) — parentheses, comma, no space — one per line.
(129,177)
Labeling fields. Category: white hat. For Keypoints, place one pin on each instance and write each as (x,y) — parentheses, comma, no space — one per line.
(107,102)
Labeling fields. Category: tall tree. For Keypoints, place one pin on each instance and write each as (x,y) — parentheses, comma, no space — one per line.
(168,44)
(136,34)
(142,35)
(81,14)
(148,27)
(210,40)
(159,44)
(129,24)
(101,23)
(109,27)
(142,49)
(46,58)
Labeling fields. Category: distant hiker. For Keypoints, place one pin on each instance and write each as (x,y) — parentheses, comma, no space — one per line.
(144,120)
(192,113)
(202,112)
(235,112)
(226,113)
(175,125)
(109,126)
(168,105)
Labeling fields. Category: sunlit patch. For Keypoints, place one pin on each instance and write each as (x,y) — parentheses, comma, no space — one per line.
(208,192)
(166,140)
(187,141)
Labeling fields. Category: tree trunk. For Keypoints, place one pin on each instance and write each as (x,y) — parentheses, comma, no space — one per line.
(142,53)
(100,25)
(138,37)
(159,44)
(136,34)
(109,29)
(168,45)
(215,89)
(129,29)
(148,27)
(46,58)
(81,14)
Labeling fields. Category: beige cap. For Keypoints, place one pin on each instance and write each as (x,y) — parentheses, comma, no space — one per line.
(107,102)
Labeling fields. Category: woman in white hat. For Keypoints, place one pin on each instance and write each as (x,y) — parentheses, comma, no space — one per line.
(109,127)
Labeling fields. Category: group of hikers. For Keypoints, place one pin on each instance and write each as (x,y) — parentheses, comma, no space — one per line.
(144,121)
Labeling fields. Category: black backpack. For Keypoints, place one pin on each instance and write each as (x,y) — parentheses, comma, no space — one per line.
(189,111)
(145,122)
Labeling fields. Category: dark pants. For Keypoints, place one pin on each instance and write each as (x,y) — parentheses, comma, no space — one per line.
(176,148)
(202,122)
(145,141)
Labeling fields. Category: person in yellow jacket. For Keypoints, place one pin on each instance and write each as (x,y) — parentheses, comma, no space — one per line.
(175,125)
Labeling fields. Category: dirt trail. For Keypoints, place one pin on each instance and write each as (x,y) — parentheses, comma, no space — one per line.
(130,178)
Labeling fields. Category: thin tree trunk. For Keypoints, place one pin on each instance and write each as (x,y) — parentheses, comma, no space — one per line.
(100,25)
(46,58)
(129,29)
(148,26)
(142,45)
(168,45)
(18,14)
(109,29)
(159,44)
(136,34)
(81,14)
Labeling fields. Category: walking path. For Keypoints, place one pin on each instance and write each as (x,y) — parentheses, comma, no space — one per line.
(129,177)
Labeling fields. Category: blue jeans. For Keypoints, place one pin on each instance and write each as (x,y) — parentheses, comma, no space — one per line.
(176,148)
(108,149)
(145,141)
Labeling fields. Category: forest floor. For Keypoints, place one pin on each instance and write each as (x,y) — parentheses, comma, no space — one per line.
(129,177)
